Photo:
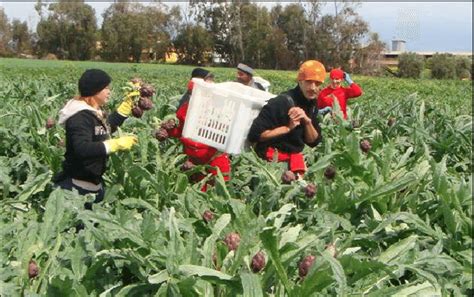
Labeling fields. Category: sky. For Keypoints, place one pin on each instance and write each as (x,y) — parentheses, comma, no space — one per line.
(425,26)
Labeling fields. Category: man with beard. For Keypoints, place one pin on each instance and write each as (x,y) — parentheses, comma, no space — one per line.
(289,121)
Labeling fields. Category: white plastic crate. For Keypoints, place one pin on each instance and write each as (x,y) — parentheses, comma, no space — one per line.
(220,115)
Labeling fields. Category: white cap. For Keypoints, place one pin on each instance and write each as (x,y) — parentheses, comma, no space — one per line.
(245,68)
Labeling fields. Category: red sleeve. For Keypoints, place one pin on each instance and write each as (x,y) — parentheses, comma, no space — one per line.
(323,99)
(352,91)
(181,115)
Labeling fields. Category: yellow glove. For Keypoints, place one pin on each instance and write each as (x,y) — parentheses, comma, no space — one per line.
(125,108)
(120,144)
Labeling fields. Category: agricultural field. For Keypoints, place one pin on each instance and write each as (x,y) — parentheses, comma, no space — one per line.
(395,220)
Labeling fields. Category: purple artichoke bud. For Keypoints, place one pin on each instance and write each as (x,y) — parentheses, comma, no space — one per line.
(305,265)
(208,216)
(330,172)
(136,80)
(50,123)
(232,240)
(147,91)
(145,103)
(137,112)
(288,177)
(310,190)
(188,165)
(391,121)
(365,146)
(169,124)
(33,269)
(161,134)
(258,262)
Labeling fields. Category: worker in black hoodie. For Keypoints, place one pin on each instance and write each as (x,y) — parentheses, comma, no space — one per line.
(289,121)
(88,135)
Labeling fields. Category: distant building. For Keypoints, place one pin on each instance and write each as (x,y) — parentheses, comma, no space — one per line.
(398,45)
(390,58)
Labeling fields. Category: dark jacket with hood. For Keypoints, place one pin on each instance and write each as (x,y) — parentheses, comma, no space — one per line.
(86,130)
(275,114)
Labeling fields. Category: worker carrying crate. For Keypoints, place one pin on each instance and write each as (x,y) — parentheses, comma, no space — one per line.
(220,115)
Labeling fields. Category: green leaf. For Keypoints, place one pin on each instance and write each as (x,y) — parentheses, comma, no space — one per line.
(448,215)
(52,254)
(279,216)
(403,160)
(322,163)
(270,243)
(137,289)
(221,186)
(140,203)
(175,243)
(391,255)
(290,235)
(159,277)
(79,289)
(391,187)
(338,273)
(209,243)
(148,227)
(52,216)
(181,184)
(424,274)
(421,290)
(421,115)
(107,292)
(358,268)
(408,218)
(77,260)
(319,277)
(34,185)
(203,271)
(251,285)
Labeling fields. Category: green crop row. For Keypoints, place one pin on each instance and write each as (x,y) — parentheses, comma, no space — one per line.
(396,220)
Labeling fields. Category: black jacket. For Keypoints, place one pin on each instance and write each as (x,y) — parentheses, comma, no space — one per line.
(275,114)
(85,156)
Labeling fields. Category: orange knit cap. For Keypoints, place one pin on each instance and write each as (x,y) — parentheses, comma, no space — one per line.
(336,74)
(312,70)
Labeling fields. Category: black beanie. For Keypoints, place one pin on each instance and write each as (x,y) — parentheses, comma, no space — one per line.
(199,72)
(93,81)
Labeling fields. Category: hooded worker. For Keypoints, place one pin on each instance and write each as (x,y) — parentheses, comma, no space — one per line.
(88,130)
(336,91)
(288,122)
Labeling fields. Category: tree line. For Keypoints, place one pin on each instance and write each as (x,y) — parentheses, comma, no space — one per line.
(207,33)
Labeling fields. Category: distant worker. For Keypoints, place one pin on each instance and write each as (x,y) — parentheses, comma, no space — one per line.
(336,91)
(199,153)
(245,76)
(289,121)
(196,73)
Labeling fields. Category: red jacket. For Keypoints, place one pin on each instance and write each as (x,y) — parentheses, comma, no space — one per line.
(341,93)
(199,153)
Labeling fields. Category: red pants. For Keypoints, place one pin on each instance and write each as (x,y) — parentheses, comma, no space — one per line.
(295,160)
(220,162)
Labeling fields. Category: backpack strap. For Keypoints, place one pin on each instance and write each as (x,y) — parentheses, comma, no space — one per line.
(290,100)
